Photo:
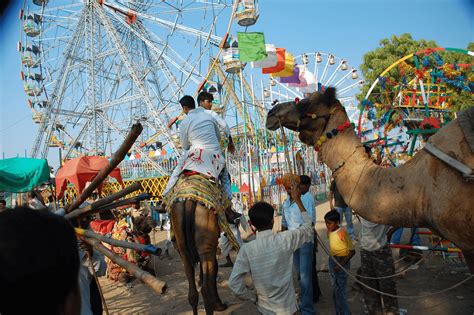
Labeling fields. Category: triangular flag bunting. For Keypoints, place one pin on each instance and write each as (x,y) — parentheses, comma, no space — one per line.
(251,46)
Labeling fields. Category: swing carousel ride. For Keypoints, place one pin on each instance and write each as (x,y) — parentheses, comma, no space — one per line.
(93,68)
(412,99)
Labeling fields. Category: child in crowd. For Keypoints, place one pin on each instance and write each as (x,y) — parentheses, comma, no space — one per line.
(342,251)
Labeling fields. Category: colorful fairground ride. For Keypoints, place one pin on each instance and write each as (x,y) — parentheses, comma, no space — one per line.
(412,99)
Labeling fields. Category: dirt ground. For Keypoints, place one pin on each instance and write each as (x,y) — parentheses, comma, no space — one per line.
(433,274)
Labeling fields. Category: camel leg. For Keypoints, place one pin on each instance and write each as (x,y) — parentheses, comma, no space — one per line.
(177,217)
(206,236)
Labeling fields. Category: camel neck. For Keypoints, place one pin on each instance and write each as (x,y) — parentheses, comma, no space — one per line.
(361,182)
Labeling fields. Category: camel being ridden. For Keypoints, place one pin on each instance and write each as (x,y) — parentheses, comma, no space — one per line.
(424,192)
(197,209)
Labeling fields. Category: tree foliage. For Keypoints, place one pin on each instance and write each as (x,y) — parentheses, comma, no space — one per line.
(395,48)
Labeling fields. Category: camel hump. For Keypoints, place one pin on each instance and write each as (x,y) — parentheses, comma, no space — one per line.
(466,121)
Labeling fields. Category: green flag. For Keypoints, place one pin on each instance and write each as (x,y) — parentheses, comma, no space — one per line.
(251,46)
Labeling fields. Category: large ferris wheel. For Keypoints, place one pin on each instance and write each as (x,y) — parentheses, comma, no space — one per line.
(92,68)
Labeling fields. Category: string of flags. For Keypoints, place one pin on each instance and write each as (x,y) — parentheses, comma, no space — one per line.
(276,61)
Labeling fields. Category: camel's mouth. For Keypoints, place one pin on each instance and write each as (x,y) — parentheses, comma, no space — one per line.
(272,122)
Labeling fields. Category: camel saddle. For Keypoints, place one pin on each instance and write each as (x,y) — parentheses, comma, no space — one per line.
(208,193)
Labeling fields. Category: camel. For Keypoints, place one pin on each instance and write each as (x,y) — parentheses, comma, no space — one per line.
(196,232)
(424,192)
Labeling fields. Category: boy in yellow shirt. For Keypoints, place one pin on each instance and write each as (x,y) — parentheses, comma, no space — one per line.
(342,250)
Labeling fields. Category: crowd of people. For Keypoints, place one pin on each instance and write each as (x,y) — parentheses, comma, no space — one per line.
(75,264)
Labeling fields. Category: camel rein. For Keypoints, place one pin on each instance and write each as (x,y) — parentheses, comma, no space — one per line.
(354,277)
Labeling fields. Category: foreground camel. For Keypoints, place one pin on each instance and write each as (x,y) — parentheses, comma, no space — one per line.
(196,233)
(424,192)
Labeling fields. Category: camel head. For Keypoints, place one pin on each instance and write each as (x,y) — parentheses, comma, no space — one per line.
(308,116)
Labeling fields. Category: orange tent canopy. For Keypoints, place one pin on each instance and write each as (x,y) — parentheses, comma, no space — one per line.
(81,170)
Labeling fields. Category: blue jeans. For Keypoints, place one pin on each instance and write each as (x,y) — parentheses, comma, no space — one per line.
(303,261)
(347,213)
(397,235)
(339,291)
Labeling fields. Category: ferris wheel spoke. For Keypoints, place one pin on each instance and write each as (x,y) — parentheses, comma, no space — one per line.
(132,72)
(350,86)
(158,54)
(331,78)
(189,67)
(288,90)
(342,79)
(216,40)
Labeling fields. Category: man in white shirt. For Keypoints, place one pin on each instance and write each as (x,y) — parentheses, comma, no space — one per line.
(269,259)
(199,137)
(205,101)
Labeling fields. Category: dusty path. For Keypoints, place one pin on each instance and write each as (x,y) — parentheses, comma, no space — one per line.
(434,274)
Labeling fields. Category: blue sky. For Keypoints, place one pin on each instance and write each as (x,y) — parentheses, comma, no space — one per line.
(346,28)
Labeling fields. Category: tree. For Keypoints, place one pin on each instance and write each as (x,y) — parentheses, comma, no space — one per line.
(395,48)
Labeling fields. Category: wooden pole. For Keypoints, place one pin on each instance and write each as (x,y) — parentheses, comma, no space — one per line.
(116,159)
(103,201)
(157,285)
(117,243)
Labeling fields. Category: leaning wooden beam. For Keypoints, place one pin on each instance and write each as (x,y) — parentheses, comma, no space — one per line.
(157,285)
(135,246)
(117,157)
(103,201)
(129,201)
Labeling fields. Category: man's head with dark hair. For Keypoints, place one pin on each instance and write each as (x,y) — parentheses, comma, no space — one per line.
(205,100)
(187,102)
(305,183)
(261,216)
(38,249)
(3,204)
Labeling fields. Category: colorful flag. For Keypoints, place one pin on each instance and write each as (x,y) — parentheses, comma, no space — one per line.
(294,78)
(251,46)
(280,52)
(287,70)
(271,59)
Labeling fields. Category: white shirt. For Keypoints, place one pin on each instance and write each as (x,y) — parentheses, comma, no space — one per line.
(199,130)
(199,135)
(269,260)
(373,236)
(220,121)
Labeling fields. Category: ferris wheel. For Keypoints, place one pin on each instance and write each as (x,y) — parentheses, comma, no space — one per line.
(92,68)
